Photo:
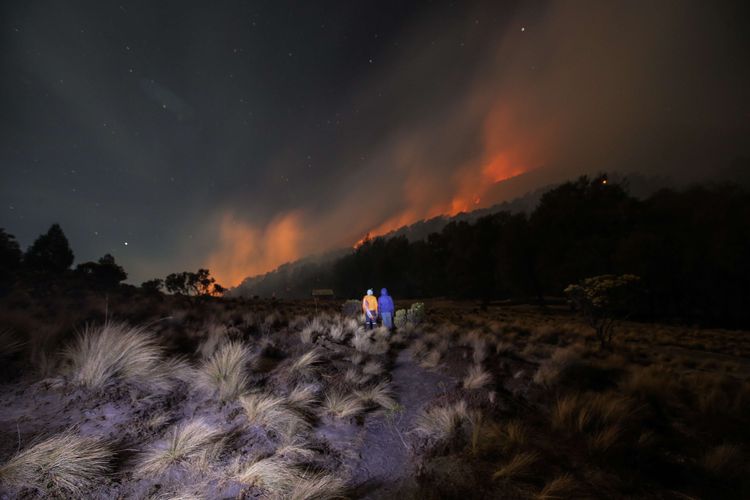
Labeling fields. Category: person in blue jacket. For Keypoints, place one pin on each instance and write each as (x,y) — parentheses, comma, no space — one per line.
(386,309)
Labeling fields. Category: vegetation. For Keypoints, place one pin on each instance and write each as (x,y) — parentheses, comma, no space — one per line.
(688,247)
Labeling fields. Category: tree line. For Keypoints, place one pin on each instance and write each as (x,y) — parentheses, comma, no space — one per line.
(47,263)
(690,247)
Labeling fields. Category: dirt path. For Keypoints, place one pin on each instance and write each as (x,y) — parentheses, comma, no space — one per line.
(384,461)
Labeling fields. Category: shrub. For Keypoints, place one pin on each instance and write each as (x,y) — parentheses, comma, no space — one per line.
(400,319)
(602,299)
(415,315)
(67,464)
(351,308)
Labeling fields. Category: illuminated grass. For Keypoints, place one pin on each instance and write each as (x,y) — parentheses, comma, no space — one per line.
(185,445)
(67,465)
(225,372)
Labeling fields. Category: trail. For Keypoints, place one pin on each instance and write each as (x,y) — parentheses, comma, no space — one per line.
(383,462)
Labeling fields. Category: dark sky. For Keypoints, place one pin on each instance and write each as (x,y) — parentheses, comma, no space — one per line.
(240,135)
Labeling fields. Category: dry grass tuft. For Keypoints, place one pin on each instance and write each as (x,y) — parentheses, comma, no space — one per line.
(725,461)
(115,351)
(441,423)
(373,367)
(476,378)
(379,394)
(274,474)
(307,363)
(563,486)
(520,466)
(188,444)
(337,332)
(273,412)
(323,487)
(225,372)
(302,398)
(550,369)
(432,359)
(10,345)
(480,351)
(66,465)
(342,405)
(281,478)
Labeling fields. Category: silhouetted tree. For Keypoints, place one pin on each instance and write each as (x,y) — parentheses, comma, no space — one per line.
(10,259)
(50,252)
(176,283)
(153,286)
(105,273)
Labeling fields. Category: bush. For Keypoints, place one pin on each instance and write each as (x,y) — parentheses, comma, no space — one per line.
(603,299)
(415,315)
(399,320)
(351,308)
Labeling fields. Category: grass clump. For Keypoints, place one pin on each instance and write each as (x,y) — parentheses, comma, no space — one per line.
(66,465)
(476,378)
(225,372)
(442,423)
(341,405)
(190,443)
(114,351)
(274,413)
(379,394)
(306,364)
(520,466)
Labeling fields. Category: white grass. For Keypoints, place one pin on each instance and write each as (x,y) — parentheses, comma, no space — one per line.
(337,332)
(307,363)
(477,378)
(9,343)
(361,341)
(379,394)
(66,465)
(303,398)
(373,367)
(322,487)
(115,351)
(216,333)
(186,445)
(225,372)
(342,405)
(273,474)
(440,423)
(273,413)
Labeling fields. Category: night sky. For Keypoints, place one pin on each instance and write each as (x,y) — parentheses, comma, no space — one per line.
(241,135)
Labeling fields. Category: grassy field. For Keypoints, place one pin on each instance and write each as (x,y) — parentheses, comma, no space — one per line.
(165,397)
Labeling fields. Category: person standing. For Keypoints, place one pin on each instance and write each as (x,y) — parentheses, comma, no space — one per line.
(370,308)
(385,308)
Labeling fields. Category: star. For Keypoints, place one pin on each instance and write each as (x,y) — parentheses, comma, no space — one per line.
(125,243)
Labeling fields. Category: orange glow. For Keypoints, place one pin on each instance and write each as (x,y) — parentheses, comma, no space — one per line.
(244,250)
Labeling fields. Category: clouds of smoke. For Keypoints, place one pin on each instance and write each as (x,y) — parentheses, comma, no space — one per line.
(583,87)
(246,250)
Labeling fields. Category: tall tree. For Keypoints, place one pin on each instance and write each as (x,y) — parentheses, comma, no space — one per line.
(50,253)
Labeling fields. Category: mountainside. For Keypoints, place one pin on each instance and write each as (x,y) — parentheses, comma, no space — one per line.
(279,282)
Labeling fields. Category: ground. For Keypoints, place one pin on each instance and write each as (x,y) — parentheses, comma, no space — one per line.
(164,397)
